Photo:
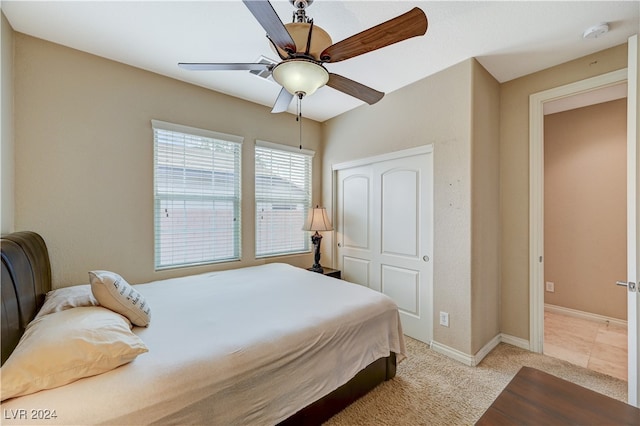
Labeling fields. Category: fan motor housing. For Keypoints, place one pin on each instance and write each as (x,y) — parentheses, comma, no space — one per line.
(299,32)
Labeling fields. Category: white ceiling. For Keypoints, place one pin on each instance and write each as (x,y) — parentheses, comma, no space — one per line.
(509,38)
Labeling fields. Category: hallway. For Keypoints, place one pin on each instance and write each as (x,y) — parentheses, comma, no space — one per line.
(592,344)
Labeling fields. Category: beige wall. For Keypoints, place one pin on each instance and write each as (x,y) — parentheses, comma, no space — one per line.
(6,128)
(585,208)
(514,175)
(485,208)
(437,110)
(84,157)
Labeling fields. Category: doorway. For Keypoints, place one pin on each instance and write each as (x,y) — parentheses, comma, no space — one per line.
(536,204)
(585,232)
(575,92)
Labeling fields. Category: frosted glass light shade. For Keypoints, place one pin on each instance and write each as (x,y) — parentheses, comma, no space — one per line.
(300,76)
(317,220)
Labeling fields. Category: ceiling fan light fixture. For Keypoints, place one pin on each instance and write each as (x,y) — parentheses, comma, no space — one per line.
(300,76)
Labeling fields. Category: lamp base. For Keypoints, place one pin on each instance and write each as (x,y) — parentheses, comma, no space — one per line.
(317,268)
(316,239)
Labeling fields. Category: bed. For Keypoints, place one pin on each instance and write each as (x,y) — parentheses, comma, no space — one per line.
(271,344)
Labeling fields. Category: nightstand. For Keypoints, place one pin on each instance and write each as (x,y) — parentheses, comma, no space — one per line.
(330,272)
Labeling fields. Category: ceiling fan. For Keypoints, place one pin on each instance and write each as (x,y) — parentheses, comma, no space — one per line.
(305,47)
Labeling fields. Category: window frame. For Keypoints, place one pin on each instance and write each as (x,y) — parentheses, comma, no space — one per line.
(282,149)
(228,141)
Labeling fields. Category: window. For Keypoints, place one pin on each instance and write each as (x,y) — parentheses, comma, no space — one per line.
(196,196)
(283,197)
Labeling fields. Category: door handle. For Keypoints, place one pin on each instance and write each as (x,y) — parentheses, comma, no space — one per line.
(339,244)
(631,285)
(425,258)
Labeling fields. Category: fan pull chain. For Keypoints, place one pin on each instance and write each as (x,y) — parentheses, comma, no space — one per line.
(299,117)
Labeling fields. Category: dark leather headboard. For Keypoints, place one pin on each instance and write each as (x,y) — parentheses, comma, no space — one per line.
(26,278)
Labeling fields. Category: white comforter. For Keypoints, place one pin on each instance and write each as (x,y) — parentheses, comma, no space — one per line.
(246,346)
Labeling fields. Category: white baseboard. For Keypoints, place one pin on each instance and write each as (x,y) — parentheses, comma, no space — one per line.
(515,341)
(584,315)
(452,353)
(473,360)
(484,351)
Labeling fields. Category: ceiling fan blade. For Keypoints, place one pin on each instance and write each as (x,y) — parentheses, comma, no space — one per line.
(411,24)
(283,101)
(270,21)
(355,89)
(225,67)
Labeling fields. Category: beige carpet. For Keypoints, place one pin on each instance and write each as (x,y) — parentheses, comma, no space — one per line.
(431,389)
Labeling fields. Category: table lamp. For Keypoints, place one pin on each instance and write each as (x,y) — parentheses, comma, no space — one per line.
(317,220)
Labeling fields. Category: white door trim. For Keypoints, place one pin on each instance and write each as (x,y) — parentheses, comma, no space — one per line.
(536,192)
(424,149)
(633,215)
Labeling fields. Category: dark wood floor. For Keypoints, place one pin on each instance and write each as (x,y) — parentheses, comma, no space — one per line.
(534,397)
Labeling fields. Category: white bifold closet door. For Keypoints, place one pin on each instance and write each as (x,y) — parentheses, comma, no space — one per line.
(384,225)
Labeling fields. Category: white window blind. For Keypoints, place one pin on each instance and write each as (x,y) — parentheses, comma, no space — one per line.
(196,196)
(283,197)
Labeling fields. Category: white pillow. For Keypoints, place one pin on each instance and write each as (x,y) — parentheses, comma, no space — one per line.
(113,292)
(65,346)
(65,298)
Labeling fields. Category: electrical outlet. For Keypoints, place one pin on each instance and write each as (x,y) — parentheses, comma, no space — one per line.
(550,286)
(444,319)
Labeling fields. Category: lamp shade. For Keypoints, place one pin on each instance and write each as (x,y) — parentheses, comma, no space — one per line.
(300,76)
(317,220)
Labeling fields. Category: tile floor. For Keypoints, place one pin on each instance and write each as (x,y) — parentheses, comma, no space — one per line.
(592,344)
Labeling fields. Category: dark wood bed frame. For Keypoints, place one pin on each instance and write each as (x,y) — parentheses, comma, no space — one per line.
(26,278)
